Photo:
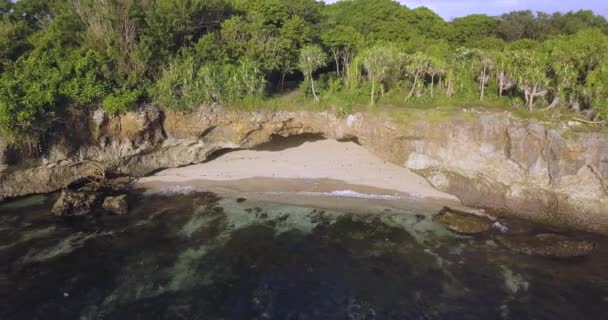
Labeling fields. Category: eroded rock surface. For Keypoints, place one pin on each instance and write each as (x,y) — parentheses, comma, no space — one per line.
(488,160)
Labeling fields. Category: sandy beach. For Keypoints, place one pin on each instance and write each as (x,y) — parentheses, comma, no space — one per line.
(321,166)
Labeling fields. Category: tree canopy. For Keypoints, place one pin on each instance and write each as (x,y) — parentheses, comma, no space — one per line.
(57,56)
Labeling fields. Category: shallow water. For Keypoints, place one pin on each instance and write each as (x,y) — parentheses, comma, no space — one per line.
(199,256)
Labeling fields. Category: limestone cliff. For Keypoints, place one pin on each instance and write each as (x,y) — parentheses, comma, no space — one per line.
(491,160)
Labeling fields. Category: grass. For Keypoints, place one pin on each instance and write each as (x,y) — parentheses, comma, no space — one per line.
(392,105)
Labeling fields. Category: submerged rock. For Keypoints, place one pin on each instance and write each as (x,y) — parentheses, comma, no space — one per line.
(463,222)
(74,203)
(547,245)
(118,204)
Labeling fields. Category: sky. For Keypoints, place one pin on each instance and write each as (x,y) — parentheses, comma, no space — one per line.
(450,9)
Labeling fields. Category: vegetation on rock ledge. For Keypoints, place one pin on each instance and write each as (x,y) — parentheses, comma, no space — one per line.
(61,55)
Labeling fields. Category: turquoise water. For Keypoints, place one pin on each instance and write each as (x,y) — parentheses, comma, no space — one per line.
(200,256)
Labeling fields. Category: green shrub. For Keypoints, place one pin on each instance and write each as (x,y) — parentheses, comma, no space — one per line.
(329,83)
(345,109)
(121,101)
(28,96)
(179,88)
(184,87)
(83,81)
(55,74)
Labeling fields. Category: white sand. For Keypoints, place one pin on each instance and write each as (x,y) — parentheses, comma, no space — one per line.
(324,159)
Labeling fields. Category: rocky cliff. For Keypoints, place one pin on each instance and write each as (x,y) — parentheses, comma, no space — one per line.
(490,160)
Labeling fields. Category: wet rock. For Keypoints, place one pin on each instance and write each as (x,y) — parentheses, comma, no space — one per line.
(463,222)
(120,183)
(500,227)
(118,204)
(74,203)
(547,245)
(516,227)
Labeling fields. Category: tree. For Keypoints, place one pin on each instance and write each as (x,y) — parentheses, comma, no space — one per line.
(484,65)
(597,88)
(530,73)
(519,25)
(343,42)
(427,23)
(253,39)
(563,72)
(470,29)
(166,26)
(502,65)
(437,64)
(6,6)
(573,22)
(418,64)
(377,62)
(13,42)
(312,58)
(294,34)
(374,19)
(112,30)
(36,89)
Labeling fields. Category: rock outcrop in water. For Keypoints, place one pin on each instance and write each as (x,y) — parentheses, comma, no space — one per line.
(488,160)
(464,222)
(74,203)
(117,205)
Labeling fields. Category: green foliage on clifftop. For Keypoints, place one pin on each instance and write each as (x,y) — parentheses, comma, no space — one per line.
(61,55)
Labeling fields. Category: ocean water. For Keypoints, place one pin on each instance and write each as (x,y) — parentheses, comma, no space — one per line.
(189,255)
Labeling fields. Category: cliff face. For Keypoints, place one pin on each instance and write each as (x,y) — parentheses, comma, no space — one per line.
(491,161)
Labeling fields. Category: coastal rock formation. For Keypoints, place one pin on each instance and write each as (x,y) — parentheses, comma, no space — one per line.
(487,159)
(74,203)
(117,205)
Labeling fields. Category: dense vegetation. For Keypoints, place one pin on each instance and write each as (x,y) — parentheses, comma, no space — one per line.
(57,56)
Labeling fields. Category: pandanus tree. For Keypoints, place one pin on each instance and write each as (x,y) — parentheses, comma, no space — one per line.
(597,88)
(484,66)
(564,66)
(435,69)
(530,71)
(579,56)
(460,77)
(437,64)
(501,68)
(312,58)
(419,64)
(564,83)
(377,63)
